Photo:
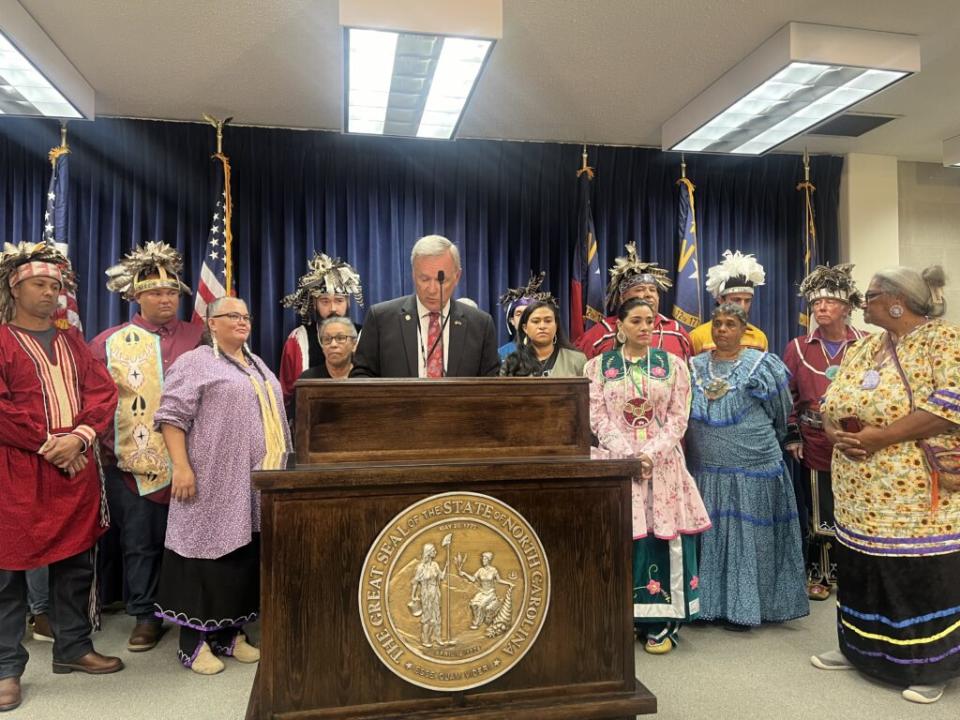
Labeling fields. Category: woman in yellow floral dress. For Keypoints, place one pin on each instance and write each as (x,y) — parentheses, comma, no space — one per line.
(893,412)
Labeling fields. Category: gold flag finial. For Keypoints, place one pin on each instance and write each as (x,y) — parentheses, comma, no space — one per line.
(683,166)
(218,124)
(584,167)
(61,149)
(806,165)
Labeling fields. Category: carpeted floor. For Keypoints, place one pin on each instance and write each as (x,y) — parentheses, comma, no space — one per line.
(714,674)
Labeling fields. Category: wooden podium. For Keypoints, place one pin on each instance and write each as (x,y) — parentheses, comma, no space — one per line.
(368,449)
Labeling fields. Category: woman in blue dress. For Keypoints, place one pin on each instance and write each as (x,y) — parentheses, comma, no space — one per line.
(751,562)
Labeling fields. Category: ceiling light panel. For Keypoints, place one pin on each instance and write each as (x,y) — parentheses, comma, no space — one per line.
(797,79)
(425,59)
(36,78)
(410,85)
(25,91)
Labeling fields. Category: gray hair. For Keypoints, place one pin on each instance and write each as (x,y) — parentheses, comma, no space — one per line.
(337,320)
(922,292)
(730,309)
(214,306)
(434,246)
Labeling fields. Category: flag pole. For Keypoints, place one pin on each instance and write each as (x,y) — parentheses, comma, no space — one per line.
(62,148)
(584,167)
(809,230)
(227,204)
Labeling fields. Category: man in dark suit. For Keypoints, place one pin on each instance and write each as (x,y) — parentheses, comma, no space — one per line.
(414,336)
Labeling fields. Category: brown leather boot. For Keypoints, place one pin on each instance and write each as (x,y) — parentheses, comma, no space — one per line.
(9,693)
(40,628)
(92,663)
(145,636)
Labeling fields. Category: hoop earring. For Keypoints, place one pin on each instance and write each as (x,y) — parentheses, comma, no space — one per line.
(216,348)
(554,339)
(896,311)
(526,339)
(621,338)
(246,348)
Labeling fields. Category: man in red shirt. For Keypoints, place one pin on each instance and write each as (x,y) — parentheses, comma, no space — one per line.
(814,360)
(629,278)
(55,399)
(138,354)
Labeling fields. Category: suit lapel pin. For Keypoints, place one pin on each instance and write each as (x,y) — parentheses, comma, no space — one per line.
(406,317)
(457,322)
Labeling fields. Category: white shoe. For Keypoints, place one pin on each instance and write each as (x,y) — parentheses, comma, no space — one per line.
(924,694)
(831,660)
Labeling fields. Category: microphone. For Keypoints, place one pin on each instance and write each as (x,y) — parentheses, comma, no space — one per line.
(439,341)
(443,365)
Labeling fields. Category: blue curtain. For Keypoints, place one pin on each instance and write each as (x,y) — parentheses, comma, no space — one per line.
(511,208)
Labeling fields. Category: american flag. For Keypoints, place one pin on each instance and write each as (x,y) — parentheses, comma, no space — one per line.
(214,282)
(55,232)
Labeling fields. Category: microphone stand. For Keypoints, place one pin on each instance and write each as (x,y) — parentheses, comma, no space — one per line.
(441,276)
(443,322)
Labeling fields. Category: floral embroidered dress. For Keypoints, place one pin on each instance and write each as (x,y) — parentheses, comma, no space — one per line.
(751,560)
(898,605)
(642,407)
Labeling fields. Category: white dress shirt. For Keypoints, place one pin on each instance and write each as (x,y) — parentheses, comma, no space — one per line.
(422,346)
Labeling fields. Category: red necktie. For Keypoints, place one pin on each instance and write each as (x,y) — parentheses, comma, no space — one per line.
(435,360)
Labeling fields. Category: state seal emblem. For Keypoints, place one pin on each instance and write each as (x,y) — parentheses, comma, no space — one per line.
(454,591)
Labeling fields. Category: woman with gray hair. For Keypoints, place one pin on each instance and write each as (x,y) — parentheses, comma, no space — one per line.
(751,560)
(893,413)
(338,338)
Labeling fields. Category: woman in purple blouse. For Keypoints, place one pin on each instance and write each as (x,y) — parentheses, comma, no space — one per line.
(209,582)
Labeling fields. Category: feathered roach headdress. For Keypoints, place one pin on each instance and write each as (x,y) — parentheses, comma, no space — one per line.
(736,273)
(629,271)
(326,275)
(525,295)
(150,267)
(26,260)
(834,282)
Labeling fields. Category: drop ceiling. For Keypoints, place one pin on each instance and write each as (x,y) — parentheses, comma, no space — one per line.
(595,71)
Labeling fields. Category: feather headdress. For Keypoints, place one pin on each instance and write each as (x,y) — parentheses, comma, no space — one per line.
(148,267)
(834,282)
(530,292)
(735,273)
(326,275)
(629,271)
(23,260)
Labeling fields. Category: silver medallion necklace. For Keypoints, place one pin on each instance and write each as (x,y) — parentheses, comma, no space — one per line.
(718,385)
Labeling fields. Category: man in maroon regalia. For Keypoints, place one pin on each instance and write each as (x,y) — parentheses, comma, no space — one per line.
(630,277)
(55,398)
(813,361)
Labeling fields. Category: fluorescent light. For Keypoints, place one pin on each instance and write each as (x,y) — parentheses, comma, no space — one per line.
(797,79)
(25,90)
(457,70)
(412,67)
(371,71)
(951,152)
(410,85)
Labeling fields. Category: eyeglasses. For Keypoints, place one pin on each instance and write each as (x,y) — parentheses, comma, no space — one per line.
(235,317)
(339,339)
(871,294)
